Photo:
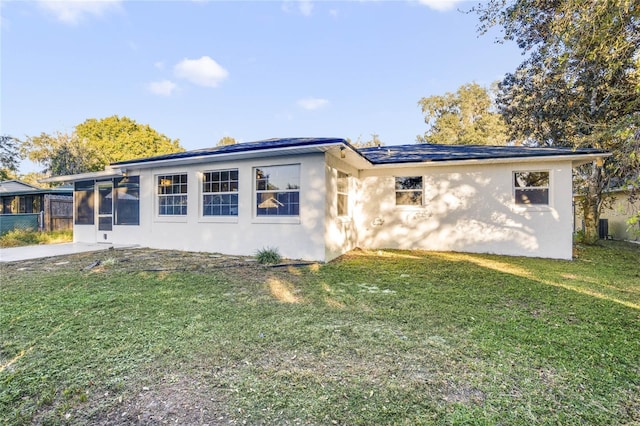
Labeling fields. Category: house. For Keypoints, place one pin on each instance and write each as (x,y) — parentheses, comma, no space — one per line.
(317,198)
(27,206)
(613,216)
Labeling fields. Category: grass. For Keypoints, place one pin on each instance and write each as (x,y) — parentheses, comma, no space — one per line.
(268,255)
(389,337)
(27,237)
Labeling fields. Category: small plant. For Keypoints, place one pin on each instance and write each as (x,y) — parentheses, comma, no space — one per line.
(110,261)
(268,255)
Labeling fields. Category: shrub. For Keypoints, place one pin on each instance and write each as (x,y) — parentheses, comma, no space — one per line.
(28,237)
(19,237)
(268,255)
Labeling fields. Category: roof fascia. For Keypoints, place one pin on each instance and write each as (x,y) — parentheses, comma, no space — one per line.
(576,160)
(51,191)
(103,174)
(242,155)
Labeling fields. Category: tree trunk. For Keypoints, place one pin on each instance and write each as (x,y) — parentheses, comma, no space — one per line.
(590,218)
(591,205)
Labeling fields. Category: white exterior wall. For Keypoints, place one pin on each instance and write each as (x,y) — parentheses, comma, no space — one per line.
(341,234)
(468,209)
(295,237)
(84,233)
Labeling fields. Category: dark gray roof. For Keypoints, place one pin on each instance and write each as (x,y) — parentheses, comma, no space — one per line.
(393,154)
(419,153)
(14,185)
(262,145)
(62,190)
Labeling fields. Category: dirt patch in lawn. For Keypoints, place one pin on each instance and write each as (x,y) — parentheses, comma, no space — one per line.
(175,399)
(151,260)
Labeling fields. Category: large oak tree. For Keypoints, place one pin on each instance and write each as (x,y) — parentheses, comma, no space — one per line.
(466,117)
(96,143)
(578,85)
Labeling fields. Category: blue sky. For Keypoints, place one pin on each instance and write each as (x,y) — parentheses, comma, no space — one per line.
(201,70)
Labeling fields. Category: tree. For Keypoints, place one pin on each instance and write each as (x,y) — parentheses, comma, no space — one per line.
(96,143)
(62,153)
(118,139)
(466,117)
(226,140)
(578,86)
(33,178)
(9,157)
(371,143)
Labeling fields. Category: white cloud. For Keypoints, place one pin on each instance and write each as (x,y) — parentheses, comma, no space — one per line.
(159,65)
(305,7)
(313,103)
(162,88)
(440,5)
(73,11)
(203,72)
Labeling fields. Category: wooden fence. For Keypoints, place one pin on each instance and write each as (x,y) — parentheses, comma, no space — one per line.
(58,213)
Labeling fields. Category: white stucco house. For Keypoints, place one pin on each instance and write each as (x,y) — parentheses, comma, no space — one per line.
(317,198)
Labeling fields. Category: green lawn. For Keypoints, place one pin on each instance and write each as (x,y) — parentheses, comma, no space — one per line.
(388,337)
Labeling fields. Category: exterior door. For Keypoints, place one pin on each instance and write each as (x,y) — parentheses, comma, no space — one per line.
(105,211)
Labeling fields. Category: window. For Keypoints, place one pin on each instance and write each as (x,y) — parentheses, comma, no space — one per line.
(28,204)
(172,195)
(6,205)
(278,190)
(409,191)
(343,194)
(83,202)
(220,193)
(531,188)
(127,200)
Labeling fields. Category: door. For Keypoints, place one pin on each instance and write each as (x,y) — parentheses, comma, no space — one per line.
(105,211)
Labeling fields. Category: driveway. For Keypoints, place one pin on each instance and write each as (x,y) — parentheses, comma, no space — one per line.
(14,254)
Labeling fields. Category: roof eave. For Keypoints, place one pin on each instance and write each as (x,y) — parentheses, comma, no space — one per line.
(233,156)
(103,174)
(51,191)
(576,160)
(588,158)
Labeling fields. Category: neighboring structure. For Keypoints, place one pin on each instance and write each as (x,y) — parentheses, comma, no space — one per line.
(613,217)
(317,198)
(27,206)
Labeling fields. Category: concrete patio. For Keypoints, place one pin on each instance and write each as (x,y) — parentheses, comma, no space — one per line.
(14,254)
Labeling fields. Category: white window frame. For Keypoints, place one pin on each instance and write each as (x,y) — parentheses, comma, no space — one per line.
(219,218)
(396,191)
(343,193)
(516,189)
(159,196)
(293,219)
